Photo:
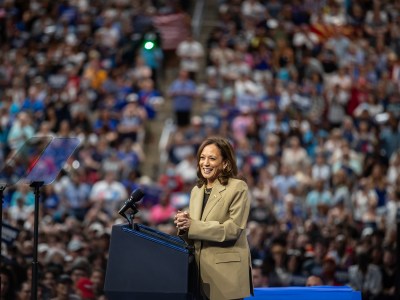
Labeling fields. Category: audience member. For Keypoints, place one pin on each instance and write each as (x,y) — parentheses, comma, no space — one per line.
(313,280)
(365,277)
(183,94)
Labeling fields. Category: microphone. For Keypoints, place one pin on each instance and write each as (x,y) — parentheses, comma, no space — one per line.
(136,196)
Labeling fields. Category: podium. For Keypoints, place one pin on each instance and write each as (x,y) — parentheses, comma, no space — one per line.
(145,263)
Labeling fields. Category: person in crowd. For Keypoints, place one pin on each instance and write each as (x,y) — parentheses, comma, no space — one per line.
(329,268)
(7,284)
(24,292)
(97,278)
(313,280)
(216,221)
(49,283)
(278,274)
(318,200)
(21,130)
(284,181)
(389,274)
(320,169)
(20,211)
(163,211)
(190,52)
(74,192)
(108,193)
(85,289)
(183,93)
(365,277)
(65,289)
(294,155)
(131,124)
(149,97)
(260,279)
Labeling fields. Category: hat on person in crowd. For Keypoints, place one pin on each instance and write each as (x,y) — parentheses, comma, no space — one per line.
(81,263)
(294,252)
(309,251)
(97,227)
(330,257)
(196,120)
(272,23)
(257,262)
(211,71)
(85,287)
(145,180)
(75,245)
(367,231)
(54,255)
(340,238)
(132,97)
(330,260)
(43,248)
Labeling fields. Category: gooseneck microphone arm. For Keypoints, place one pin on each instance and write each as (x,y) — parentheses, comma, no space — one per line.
(129,204)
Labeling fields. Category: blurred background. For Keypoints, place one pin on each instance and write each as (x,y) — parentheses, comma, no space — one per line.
(308,92)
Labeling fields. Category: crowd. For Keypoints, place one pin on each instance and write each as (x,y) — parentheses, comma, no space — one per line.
(308,92)
(90,70)
(309,95)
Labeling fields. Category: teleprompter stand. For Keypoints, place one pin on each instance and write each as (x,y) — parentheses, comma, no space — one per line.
(17,166)
(38,163)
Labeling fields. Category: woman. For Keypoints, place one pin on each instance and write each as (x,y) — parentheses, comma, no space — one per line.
(216,223)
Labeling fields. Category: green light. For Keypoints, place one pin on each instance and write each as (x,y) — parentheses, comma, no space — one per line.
(148,45)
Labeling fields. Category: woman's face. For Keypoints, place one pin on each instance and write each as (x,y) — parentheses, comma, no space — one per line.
(211,163)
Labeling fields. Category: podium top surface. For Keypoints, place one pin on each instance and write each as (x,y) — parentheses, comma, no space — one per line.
(157,236)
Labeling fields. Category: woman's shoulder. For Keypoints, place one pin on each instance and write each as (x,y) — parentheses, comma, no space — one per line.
(196,189)
(237,183)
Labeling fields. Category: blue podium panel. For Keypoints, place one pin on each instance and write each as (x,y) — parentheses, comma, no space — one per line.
(306,293)
(147,264)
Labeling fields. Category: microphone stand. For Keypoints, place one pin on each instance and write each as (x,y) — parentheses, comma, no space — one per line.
(133,211)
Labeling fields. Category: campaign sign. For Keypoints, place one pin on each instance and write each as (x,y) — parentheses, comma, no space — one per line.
(9,234)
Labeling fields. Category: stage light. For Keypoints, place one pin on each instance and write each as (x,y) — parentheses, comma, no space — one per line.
(149,45)
(149,41)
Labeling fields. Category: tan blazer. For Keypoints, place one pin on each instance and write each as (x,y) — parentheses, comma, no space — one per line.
(219,237)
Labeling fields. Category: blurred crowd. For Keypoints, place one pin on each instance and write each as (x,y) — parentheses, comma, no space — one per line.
(308,92)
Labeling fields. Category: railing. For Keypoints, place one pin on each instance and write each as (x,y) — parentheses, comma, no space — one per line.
(168,128)
(197,16)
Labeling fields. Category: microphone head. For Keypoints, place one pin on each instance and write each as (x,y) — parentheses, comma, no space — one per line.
(136,196)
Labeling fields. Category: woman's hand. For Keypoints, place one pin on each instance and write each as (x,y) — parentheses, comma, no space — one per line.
(182,220)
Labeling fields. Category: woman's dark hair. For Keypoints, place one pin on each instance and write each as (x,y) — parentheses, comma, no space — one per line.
(228,156)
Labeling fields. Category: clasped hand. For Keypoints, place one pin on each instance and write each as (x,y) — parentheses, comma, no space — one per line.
(182,220)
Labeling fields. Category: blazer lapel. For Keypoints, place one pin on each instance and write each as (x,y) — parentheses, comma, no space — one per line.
(213,199)
(197,204)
